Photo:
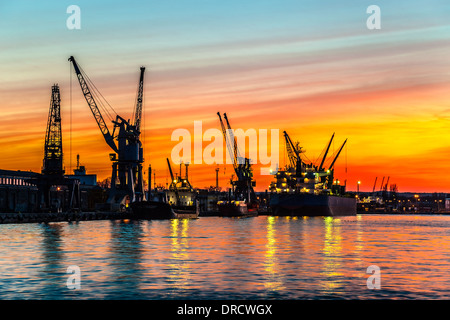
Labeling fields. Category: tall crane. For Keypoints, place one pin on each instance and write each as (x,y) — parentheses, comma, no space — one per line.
(293,152)
(53,149)
(52,173)
(243,186)
(127,177)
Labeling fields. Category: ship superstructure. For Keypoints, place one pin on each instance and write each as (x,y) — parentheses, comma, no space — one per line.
(306,189)
(301,177)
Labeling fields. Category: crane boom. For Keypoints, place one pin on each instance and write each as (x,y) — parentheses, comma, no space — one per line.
(230,149)
(382,184)
(339,152)
(93,106)
(138,110)
(293,154)
(170,170)
(386,185)
(326,152)
(237,155)
(291,144)
(375,183)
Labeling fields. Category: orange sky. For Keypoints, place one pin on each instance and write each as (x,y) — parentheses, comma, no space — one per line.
(386,91)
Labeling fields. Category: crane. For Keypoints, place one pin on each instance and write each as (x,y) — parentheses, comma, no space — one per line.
(52,169)
(326,152)
(337,155)
(374,185)
(386,185)
(127,177)
(293,154)
(139,100)
(53,149)
(382,184)
(306,172)
(243,186)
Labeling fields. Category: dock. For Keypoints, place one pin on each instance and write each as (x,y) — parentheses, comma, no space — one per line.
(46,217)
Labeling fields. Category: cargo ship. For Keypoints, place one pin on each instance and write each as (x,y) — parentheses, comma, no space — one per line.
(306,189)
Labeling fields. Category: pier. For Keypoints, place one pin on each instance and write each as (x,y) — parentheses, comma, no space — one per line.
(45,217)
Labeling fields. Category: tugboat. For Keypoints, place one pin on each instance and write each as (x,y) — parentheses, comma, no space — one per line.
(304,189)
(242,201)
(178,202)
(155,210)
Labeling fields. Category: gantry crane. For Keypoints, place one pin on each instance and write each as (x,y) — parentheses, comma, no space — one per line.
(127,177)
(53,149)
(243,186)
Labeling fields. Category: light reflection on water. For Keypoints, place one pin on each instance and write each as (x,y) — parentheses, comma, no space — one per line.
(221,258)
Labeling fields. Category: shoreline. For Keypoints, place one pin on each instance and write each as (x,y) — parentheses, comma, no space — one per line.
(46,217)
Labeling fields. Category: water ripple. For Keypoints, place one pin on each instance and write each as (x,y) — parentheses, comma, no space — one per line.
(214,258)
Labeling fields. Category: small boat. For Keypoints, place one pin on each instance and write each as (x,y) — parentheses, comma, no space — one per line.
(178,202)
(155,210)
(237,209)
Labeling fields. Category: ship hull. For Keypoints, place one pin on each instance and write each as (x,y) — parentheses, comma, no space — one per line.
(232,210)
(154,210)
(311,205)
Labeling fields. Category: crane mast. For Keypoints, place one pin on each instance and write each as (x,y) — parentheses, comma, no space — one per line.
(138,109)
(53,151)
(52,169)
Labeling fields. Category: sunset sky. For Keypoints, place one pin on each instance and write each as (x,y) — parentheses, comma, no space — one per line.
(308,67)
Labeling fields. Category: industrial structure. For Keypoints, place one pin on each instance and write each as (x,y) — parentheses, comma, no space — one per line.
(180,192)
(242,187)
(299,176)
(127,183)
(52,174)
(243,200)
(305,189)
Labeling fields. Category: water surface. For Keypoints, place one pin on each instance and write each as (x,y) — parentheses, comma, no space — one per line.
(225,258)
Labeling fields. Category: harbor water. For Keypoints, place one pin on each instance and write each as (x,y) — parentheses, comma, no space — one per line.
(261,257)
